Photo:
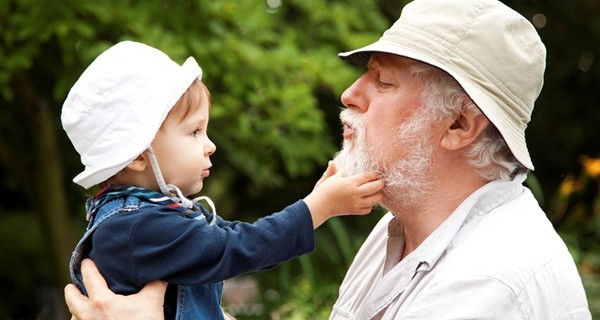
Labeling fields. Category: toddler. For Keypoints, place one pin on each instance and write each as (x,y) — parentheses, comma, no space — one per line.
(139,122)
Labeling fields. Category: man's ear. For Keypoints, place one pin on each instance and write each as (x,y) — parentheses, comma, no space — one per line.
(468,125)
(139,164)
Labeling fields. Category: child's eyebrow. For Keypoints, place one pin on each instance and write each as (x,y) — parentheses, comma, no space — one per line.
(200,121)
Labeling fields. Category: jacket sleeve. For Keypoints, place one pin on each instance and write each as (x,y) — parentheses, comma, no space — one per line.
(162,244)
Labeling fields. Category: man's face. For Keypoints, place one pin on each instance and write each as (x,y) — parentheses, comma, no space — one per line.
(386,129)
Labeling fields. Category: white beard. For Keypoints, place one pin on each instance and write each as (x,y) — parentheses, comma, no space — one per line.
(355,155)
(406,179)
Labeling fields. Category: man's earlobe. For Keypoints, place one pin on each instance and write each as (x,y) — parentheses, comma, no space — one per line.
(464,130)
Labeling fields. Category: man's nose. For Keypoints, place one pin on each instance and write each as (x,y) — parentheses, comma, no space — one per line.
(353,97)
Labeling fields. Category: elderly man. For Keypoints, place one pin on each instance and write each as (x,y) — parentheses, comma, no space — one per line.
(441,111)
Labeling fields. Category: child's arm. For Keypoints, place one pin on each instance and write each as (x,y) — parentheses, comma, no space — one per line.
(336,195)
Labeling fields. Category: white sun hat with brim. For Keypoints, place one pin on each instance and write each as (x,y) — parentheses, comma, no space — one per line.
(492,51)
(116,107)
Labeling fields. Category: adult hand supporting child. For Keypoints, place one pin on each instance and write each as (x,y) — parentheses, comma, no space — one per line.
(104,304)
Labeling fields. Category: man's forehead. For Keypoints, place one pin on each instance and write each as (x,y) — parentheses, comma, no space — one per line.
(388,60)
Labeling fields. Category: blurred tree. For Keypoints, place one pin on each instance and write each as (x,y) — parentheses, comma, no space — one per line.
(564,124)
(267,65)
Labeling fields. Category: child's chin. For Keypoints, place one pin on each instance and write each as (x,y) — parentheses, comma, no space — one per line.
(196,190)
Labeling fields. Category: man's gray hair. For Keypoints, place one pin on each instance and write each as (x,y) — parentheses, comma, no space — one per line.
(444,97)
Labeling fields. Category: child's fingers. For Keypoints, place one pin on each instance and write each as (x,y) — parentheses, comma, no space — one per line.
(364,210)
(371,187)
(365,177)
(364,205)
(331,169)
(367,202)
(373,199)
(329,172)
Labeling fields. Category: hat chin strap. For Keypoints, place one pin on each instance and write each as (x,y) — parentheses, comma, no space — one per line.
(173,192)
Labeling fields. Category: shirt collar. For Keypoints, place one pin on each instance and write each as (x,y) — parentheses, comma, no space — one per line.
(480,202)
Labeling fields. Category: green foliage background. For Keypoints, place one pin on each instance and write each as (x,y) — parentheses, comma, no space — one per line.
(275,79)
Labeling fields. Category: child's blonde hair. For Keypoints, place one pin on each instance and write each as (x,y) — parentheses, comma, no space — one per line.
(194,98)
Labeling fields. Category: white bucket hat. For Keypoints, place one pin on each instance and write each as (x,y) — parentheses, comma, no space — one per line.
(115,108)
(491,50)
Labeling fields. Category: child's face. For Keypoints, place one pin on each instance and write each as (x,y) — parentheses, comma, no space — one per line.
(183,148)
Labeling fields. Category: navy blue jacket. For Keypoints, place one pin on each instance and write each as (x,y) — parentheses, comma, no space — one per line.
(136,242)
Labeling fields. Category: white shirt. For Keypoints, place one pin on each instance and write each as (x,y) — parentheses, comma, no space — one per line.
(496,257)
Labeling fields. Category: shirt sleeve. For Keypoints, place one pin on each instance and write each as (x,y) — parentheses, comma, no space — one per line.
(159,243)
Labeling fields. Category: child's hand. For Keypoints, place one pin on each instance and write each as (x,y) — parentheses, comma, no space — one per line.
(336,195)
(331,170)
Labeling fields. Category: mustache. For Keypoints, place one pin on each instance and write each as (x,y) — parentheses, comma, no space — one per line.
(350,118)
(354,156)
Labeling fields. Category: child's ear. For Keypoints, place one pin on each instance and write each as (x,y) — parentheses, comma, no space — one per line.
(139,164)
(467,126)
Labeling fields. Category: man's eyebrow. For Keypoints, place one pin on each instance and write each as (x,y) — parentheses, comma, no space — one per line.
(375,63)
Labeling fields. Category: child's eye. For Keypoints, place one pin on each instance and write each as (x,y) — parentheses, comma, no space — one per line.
(196,132)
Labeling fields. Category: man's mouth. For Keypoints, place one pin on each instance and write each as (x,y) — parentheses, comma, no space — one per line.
(349,131)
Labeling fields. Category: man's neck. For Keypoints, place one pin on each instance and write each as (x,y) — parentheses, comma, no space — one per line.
(425,216)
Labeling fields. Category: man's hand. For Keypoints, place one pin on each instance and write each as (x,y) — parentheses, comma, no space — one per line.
(103,304)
